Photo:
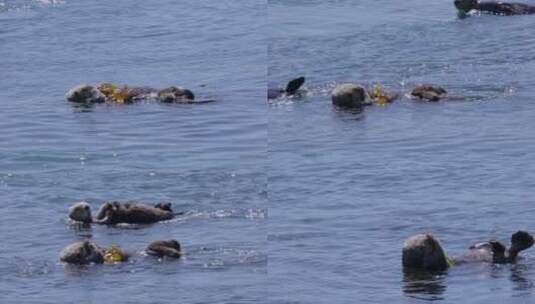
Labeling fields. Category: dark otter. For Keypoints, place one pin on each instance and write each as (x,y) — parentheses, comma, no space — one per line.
(424,252)
(429,92)
(495,252)
(81,212)
(117,213)
(491,7)
(168,248)
(82,253)
(176,95)
(87,252)
(131,213)
(108,92)
(349,96)
(291,88)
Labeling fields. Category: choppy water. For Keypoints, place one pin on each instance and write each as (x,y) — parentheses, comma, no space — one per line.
(346,190)
(209,160)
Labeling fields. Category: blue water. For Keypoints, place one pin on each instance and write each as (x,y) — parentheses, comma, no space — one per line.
(209,160)
(343,190)
(346,189)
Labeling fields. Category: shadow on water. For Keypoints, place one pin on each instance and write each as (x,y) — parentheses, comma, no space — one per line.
(424,285)
(519,279)
(349,113)
(82,107)
(431,286)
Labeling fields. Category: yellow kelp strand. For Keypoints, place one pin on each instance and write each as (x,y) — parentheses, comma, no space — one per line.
(114,255)
(380,96)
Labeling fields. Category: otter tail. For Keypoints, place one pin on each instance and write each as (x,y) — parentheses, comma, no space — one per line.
(294,85)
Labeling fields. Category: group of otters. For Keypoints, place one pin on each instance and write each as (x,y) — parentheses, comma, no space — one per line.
(420,252)
(423,251)
(344,96)
(113,213)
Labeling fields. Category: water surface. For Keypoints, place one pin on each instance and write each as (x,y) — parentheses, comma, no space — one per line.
(346,189)
(208,160)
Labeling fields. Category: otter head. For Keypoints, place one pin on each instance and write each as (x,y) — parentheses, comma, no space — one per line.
(174,94)
(166,248)
(84,252)
(188,94)
(80,212)
(174,244)
(465,5)
(85,94)
(520,240)
(424,252)
(349,96)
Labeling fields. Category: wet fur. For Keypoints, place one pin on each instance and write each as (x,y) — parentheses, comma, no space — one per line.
(86,252)
(168,248)
(132,213)
(495,252)
(494,7)
(429,92)
(292,88)
(82,253)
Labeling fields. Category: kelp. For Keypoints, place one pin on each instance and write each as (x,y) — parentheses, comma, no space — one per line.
(116,94)
(114,255)
(380,96)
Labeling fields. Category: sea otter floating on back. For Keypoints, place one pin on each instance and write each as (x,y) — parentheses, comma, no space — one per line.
(108,92)
(87,252)
(112,213)
(491,7)
(424,252)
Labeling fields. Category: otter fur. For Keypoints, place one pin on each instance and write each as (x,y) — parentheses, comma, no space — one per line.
(112,213)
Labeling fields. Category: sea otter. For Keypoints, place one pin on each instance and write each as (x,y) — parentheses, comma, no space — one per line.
(291,89)
(429,92)
(87,252)
(109,92)
(495,252)
(167,248)
(85,93)
(424,252)
(82,253)
(491,7)
(349,96)
(116,213)
(176,95)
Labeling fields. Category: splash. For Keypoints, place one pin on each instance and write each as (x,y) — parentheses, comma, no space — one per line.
(225,213)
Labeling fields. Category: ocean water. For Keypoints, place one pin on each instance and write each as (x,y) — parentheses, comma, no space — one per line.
(343,190)
(209,160)
(346,189)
